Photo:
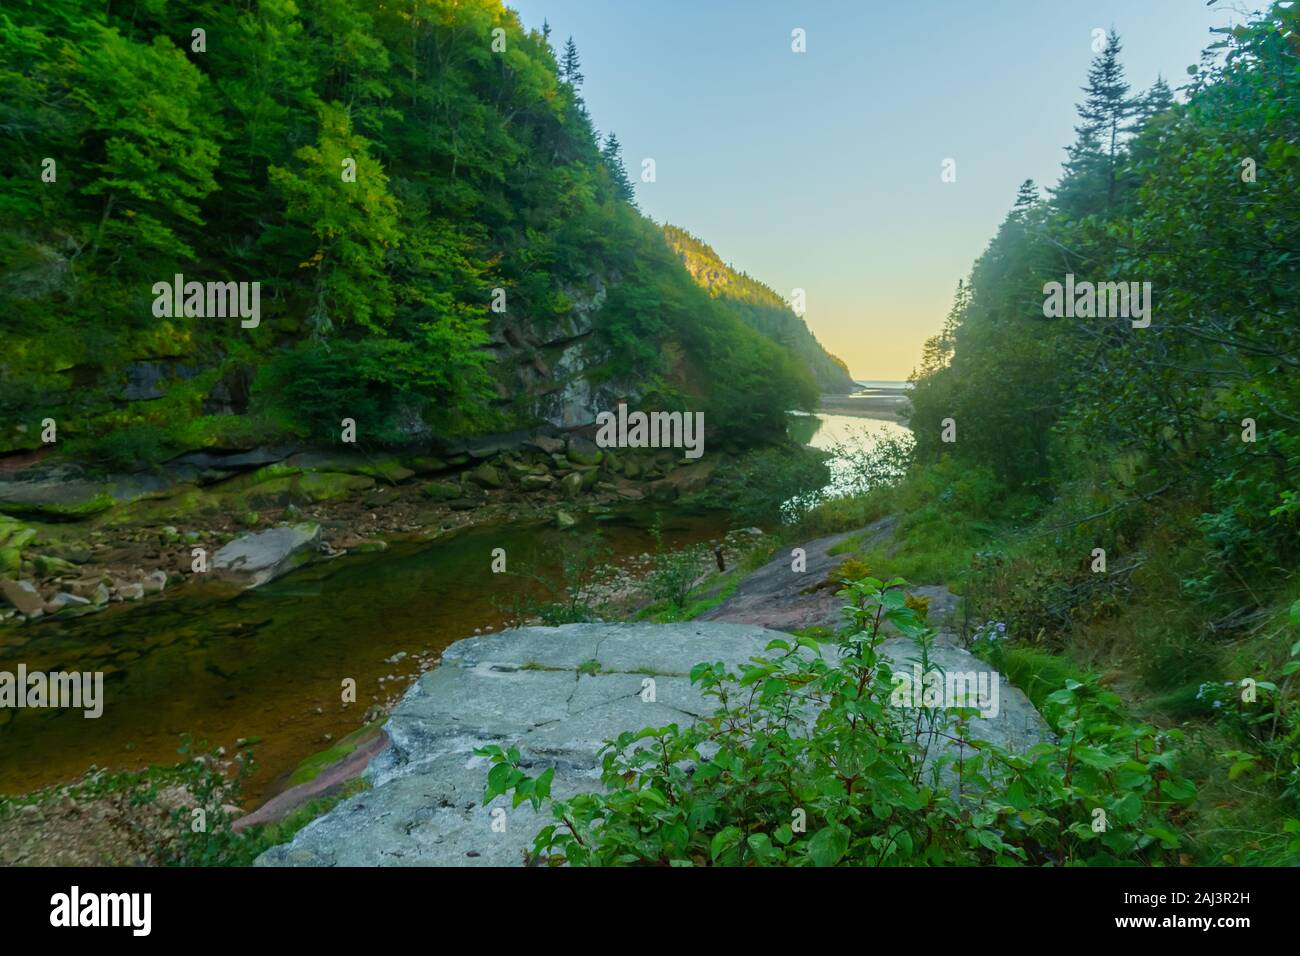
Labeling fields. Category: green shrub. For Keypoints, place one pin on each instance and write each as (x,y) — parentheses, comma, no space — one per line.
(763,782)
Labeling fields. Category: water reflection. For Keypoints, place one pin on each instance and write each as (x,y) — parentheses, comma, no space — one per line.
(846,436)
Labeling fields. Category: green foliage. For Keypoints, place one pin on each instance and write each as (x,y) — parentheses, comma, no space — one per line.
(585,567)
(772,485)
(808,762)
(674,572)
(382,171)
(1154,192)
(760,308)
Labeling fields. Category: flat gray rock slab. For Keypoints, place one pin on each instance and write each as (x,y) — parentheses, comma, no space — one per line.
(781,598)
(254,559)
(556,693)
(1007,717)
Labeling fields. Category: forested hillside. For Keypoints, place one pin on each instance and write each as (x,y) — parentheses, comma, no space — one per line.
(760,308)
(1130,491)
(442,247)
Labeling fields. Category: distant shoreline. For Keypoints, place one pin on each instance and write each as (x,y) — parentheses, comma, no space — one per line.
(879,402)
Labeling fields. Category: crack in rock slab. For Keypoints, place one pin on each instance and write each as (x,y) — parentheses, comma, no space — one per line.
(519,688)
(425,803)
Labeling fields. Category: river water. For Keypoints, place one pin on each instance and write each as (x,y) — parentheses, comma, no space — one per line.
(843,432)
(270,662)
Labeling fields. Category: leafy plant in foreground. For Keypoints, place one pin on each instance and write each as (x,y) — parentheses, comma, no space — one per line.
(807,761)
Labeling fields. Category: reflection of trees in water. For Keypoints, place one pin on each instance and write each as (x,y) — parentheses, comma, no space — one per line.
(863,453)
(802,428)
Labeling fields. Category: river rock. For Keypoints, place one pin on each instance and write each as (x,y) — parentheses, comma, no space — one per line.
(564,520)
(487,475)
(254,559)
(442,490)
(128,591)
(551,446)
(584,451)
(425,464)
(23,596)
(64,599)
(571,484)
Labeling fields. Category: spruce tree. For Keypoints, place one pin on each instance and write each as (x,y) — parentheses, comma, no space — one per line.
(612,151)
(1090,183)
(1026,196)
(1105,111)
(1153,102)
(569,65)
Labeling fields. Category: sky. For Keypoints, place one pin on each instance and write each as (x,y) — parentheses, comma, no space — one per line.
(822,170)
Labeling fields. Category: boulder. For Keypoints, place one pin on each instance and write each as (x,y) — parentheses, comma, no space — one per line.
(584,451)
(254,559)
(487,475)
(23,596)
(565,520)
(551,446)
(441,490)
(571,484)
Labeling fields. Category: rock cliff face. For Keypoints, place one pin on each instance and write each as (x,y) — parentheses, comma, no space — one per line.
(550,374)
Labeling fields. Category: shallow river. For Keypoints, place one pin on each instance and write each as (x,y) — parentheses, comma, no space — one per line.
(270,662)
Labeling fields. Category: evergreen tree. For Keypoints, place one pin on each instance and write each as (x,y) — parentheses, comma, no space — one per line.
(1106,108)
(1090,183)
(1026,197)
(569,64)
(1157,100)
(612,151)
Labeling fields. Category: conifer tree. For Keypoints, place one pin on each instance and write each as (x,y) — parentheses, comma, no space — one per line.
(612,151)
(569,65)
(1091,180)
(1026,196)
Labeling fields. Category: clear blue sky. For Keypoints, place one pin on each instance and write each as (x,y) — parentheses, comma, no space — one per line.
(821,170)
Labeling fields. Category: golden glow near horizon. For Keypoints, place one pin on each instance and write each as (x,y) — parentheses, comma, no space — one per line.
(821,170)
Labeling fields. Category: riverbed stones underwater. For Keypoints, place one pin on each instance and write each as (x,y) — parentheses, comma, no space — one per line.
(556,693)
